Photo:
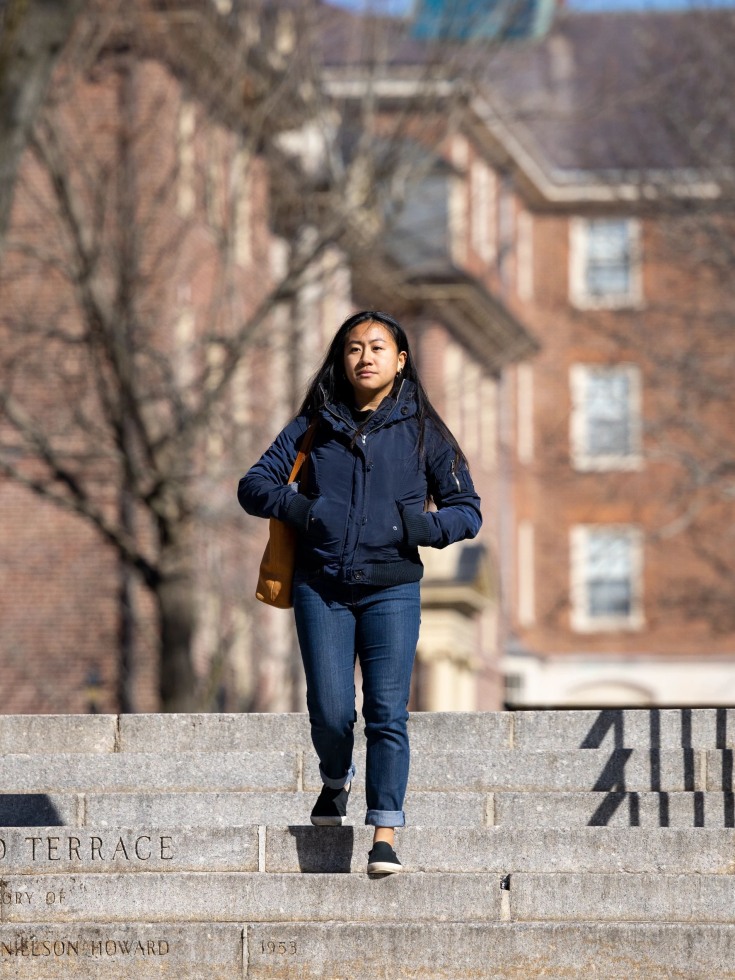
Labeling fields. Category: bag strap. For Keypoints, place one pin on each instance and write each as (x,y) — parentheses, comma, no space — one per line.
(305,449)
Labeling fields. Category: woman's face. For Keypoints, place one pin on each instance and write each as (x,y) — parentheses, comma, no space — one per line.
(372,361)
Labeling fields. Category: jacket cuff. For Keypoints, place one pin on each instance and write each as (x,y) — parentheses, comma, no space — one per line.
(297,511)
(418,530)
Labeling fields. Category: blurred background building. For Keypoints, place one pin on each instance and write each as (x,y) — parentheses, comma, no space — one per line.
(543,197)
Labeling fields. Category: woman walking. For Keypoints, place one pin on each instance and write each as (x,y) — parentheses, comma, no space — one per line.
(380,452)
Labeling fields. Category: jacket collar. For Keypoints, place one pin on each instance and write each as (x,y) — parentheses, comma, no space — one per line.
(391,409)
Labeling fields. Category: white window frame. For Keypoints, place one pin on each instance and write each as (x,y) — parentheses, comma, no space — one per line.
(579,295)
(582,459)
(582,620)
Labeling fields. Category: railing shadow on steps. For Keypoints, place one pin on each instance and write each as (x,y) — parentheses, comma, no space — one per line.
(28,810)
(612,777)
(324,850)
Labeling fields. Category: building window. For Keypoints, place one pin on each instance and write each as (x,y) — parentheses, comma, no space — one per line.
(606,571)
(482,210)
(429,226)
(513,688)
(605,267)
(506,230)
(458,220)
(606,417)
(526,574)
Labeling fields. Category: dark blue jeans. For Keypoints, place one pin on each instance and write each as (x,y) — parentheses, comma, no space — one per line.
(336,623)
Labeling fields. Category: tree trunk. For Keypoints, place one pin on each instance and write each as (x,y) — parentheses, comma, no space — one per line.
(175,597)
(127,623)
(33,34)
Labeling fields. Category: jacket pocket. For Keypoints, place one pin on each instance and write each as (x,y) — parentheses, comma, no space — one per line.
(322,534)
(382,537)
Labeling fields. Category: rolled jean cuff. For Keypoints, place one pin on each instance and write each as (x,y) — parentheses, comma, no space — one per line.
(338,783)
(386,818)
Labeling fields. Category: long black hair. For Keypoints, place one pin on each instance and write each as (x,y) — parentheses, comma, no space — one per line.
(330,383)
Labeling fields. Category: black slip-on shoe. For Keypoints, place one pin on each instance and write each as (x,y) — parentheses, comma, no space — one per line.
(330,809)
(382,860)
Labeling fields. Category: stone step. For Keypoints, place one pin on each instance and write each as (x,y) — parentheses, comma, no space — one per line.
(560,844)
(684,810)
(41,809)
(495,769)
(55,850)
(250,732)
(490,951)
(506,850)
(612,809)
(184,771)
(205,809)
(240,897)
(279,850)
(368,951)
(423,809)
(620,897)
(46,734)
(91,951)
(650,728)
(595,769)
(428,897)
(102,734)
(530,731)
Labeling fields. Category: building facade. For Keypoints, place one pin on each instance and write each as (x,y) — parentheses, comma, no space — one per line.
(557,250)
(617,551)
(149,236)
(590,207)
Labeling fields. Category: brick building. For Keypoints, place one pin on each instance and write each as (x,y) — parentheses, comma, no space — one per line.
(139,242)
(619,549)
(149,225)
(591,194)
(569,335)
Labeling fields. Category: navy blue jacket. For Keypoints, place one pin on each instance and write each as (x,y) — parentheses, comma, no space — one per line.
(359,512)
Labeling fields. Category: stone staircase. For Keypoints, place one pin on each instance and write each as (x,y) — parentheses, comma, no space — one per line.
(541,844)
